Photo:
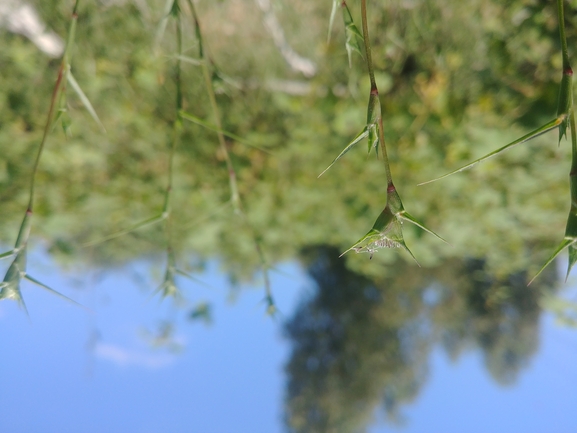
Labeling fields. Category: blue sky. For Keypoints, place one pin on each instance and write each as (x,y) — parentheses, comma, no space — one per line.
(66,370)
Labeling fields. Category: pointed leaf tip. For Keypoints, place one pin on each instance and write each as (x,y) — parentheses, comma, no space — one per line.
(54,292)
(408,217)
(85,100)
(358,138)
(564,244)
(533,134)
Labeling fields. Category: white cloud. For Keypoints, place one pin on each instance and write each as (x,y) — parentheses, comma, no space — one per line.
(129,357)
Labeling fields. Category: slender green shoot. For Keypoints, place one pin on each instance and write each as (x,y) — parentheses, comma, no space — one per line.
(566,107)
(387,230)
(206,64)
(10,286)
(168,286)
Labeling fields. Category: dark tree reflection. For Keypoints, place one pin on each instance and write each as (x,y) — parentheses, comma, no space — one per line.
(360,344)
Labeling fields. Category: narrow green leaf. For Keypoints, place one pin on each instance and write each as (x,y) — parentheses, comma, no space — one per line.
(358,138)
(533,134)
(7,254)
(84,100)
(564,244)
(408,217)
(146,222)
(207,125)
(54,292)
(336,4)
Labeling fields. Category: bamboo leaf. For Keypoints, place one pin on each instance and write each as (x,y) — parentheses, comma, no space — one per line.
(84,100)
(358,138)
(533,134)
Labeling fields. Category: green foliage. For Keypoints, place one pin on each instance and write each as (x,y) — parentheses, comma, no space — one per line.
(456,80)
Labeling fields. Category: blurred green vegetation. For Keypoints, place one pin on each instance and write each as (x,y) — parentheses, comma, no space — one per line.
(457,79)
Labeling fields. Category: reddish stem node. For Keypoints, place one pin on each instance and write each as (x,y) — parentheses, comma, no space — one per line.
(568,71)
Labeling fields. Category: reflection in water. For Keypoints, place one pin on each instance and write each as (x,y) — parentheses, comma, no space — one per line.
(359,344)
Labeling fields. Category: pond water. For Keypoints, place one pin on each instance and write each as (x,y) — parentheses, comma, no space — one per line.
(133,363)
